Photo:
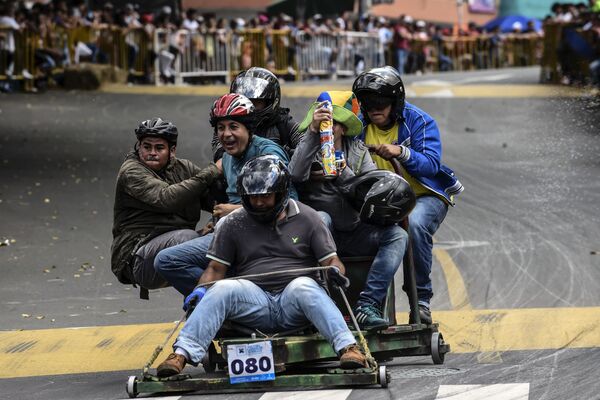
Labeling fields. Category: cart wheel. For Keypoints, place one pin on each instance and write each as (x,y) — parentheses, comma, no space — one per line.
(131,387)
(207,365)
(437,340)
(384,377)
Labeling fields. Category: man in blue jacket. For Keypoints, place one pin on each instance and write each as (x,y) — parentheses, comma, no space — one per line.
(397,129)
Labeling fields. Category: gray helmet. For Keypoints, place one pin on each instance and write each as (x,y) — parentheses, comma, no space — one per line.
(157,127)
(263,175)
(259,84)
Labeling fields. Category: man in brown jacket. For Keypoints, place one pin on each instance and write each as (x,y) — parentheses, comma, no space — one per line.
(157,204)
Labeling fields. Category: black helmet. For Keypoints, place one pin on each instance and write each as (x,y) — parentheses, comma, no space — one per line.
(261,84)
(382,197)
(157,127)
(263,175)
(380,85)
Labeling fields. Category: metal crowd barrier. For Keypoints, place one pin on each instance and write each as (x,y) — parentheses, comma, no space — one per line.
(249,49)
(182,54)
(17,56)
(481,52)
(358,51)
(317,53)
(281,48)
(550,69)
(128,49)
(554,43)
(177,56)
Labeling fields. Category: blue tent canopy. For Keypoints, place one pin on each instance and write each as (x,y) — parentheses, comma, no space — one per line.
(506,23)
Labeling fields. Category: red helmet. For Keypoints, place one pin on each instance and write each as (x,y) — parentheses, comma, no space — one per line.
(232,106)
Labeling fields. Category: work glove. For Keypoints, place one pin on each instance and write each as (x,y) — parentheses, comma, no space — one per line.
(336,277)
(192,300)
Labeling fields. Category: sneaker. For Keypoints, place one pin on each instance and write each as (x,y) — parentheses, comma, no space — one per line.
(352,358)
(173,365)
(369,318)
(424,313)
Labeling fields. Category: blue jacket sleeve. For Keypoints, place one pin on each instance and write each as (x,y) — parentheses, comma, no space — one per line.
(425,144)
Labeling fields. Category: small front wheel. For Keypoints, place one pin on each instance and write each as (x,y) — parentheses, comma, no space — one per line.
(132,387)
(384,377)
(437,341)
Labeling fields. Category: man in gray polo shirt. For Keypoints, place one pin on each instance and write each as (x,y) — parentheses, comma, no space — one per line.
(270,233)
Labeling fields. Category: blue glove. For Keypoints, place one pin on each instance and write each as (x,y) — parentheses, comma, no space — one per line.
(336,277)
(194,298)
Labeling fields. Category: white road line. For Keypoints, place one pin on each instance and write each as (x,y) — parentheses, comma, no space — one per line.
(431,82)
(161,398)
(308,395)
(460,244)
(507,391)
(489,78)
(440,93)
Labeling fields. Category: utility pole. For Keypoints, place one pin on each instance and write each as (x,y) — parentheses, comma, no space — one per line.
(365,7)
(459,10)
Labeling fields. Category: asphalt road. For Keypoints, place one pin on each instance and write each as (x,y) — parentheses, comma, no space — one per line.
(525,234)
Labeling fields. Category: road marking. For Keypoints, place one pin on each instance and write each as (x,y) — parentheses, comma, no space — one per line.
(432,82)
(450,245)
(506,391)
(159,398)
(471,331)
(308,395)
(489,78)
(457,290)
(440,93)
(489,357)
(413,90)
(128,347)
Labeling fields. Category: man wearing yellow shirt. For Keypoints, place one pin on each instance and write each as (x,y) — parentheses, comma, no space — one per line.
(397,129)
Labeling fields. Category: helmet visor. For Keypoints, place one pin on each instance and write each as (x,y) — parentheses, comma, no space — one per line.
(374,101)
(260,182)
(252,87)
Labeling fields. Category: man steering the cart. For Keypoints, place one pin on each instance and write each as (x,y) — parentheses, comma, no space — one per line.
(270,233)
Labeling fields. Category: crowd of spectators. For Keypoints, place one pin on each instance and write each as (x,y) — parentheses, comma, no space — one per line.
(413,46)
(579,41)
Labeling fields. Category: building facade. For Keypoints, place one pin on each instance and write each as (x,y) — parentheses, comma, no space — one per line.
(441,11)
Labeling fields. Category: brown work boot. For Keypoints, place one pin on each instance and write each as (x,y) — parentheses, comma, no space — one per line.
(352,358)
(173,365)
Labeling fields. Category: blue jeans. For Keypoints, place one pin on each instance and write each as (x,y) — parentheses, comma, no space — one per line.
(242,301)
(401,56)
(386,243)
(424,221)
(182,265)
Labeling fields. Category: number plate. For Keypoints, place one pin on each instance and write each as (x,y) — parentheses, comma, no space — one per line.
(251,362)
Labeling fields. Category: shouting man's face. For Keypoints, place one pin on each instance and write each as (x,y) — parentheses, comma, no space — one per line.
(234,137)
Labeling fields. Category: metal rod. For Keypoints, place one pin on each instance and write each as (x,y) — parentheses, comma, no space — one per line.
(361,338)
(408,265)
(274,273)
(410,283)
(160,347)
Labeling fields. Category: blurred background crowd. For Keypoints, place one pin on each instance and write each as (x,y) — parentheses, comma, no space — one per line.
(166,44)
